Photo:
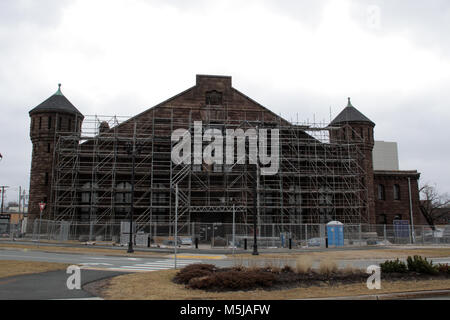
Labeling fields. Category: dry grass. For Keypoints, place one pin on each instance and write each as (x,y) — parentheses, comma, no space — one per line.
(158,286)
(87,250)
(10,268)
(354,254)
(327,266)
(303,265)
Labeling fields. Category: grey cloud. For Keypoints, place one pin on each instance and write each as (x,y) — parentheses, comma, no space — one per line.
(425,22)
(43,12)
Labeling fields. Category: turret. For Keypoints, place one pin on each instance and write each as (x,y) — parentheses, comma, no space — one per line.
(353,125)
(53,117)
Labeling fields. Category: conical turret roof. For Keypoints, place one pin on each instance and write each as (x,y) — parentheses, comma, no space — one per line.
(56,103)
(350,114)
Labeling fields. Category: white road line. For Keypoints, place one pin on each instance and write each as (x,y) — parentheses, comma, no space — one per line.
(154,266)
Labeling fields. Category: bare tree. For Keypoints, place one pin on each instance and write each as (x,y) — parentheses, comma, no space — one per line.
(433,205)
(13,204)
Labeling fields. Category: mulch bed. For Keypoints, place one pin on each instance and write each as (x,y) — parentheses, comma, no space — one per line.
(212,279)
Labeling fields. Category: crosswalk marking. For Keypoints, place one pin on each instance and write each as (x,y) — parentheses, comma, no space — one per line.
(155,265)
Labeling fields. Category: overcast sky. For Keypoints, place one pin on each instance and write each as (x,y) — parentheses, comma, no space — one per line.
(295,57)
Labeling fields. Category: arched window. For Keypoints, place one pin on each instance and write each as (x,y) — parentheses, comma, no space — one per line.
(160,195)
(89,193)
(396,192)
(123,193)
(381,192)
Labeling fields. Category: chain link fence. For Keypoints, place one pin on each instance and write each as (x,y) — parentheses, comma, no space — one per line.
(221,235)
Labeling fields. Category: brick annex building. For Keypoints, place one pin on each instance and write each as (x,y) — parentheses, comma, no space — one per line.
(82,166)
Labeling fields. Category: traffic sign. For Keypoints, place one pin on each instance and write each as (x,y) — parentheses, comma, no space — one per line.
(42,206)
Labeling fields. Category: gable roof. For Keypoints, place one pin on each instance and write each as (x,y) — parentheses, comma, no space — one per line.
(350,114)
(56,103)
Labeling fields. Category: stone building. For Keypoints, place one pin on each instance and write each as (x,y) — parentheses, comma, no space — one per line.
(82,168)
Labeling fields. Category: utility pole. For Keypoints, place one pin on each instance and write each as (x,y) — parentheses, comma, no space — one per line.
(20,197)
(3,196)
(413,238)
(176,225)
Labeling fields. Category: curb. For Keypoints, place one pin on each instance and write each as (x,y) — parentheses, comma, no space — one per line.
(394,296)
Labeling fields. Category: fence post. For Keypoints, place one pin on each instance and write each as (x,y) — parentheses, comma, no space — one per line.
(423,235)
(273,235)
(91,227)
(360,235)
(322,235)
(306,234)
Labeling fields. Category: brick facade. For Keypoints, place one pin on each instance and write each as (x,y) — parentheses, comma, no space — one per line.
(389,206)
(43,133)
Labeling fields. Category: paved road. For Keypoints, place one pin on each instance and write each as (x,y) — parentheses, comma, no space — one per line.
(48,285)
(107,263)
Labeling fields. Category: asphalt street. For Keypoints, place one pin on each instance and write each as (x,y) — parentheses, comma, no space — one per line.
(48,285)
(107,263)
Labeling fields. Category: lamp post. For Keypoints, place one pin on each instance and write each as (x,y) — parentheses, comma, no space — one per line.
(255,208)
(133,150)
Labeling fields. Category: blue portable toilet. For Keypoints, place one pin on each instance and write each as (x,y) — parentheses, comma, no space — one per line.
(335,232)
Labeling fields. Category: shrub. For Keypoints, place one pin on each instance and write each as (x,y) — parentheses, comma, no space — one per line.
(194,271)
(393,266)
(443,268)
(421,265)
(287,269)
(233,280)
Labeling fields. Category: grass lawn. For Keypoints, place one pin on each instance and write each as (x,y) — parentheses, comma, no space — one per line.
(9,268)
(159,286)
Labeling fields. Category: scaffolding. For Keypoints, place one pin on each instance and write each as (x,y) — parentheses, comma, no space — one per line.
(320,177)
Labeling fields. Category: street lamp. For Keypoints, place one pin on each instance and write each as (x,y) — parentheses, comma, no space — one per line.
(132,150)
(255,208)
